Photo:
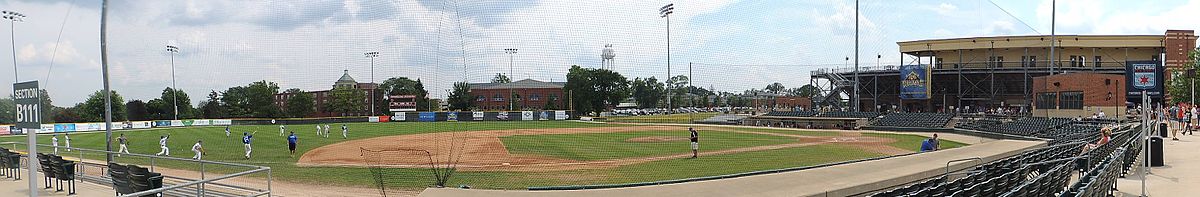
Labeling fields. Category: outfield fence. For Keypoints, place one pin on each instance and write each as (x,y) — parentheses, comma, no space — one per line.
(181,177)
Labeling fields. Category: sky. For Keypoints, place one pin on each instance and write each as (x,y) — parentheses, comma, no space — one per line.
(731,45)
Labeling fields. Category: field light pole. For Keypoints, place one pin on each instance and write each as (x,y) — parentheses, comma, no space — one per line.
(511,52)
(372,55)
(174,97)
(13,18)
(666,11)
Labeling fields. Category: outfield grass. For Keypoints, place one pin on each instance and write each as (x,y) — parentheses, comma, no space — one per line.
(913,142)
(684,118)
(270,150)
(602,146)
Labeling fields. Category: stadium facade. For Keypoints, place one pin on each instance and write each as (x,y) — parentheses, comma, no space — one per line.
(320,98)
(527,94)
(997,72)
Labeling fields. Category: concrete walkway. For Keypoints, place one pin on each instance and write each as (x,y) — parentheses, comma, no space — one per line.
(841,180)
(8,187)
(1179,177)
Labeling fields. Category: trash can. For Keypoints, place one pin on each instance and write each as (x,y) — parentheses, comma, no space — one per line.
(1162,130)
(1156,151)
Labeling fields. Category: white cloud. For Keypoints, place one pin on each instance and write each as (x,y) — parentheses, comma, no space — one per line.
(946,9)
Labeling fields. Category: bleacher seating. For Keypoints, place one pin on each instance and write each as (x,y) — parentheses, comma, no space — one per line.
(980,124)
(920,120)
(57,170)
(141,179)
(11,164)
(792,113)
(845,114)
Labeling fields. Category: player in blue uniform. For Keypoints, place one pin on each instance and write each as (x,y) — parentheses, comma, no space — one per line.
(292,140)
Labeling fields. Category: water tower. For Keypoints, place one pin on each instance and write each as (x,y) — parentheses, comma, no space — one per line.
(606,57)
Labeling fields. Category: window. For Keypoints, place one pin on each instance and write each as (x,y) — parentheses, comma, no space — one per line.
(497,98)
(996,61)
(1047,100)
(516,97)
(480,98)
(1032,61)
(1074,63)
(1097,61)
(554,97)
(535,97)
(938,63)
(1071,100)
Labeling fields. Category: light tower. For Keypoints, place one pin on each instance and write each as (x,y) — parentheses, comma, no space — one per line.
(606,58)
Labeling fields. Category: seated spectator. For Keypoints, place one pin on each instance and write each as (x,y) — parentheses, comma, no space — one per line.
(931,144)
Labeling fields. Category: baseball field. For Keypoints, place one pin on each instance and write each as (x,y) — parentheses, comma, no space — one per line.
(510,155)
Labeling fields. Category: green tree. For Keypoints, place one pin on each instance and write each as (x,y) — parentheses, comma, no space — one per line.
(255,100)
(501,78)
(70,114)
(594,90)
(136,110)
(212,108)
(402,86)
(775,88)
(460,98)
(677,88)
(1180,87)
(346,101)
(809,91)
(161,108)
(300,104)
(6,110)
(92,109)
(646,92)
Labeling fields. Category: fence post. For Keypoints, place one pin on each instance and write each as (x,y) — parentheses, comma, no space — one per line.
(268,181)
(200,187)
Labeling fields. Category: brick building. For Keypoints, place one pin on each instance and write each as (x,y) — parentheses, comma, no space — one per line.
(323,96)
(1078,94)
(527,94)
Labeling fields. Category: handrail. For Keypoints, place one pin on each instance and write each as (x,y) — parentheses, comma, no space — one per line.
(198,182)
(980,160)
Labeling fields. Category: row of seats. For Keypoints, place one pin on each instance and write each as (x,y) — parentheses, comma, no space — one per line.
(57,170)
(845,114)
(792,113)
(920,120)
(10,162)
(128,179)
(980,124)
(993,178)
(1029,126)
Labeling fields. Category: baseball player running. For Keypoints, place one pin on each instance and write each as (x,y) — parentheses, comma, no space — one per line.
(246,138)
(162,145)
(122,142)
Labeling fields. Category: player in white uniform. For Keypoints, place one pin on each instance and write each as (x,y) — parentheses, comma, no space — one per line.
(67,137)
(226,130)
(326,131)
(54,141)
(344,131)
(198,149)
(162,145)
(123,141)
(281,129)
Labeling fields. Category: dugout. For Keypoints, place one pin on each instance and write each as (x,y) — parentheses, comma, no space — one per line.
(806,122)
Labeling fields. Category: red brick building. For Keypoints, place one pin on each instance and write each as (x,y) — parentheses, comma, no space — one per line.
(1078,94)
(527,94)
(323,96)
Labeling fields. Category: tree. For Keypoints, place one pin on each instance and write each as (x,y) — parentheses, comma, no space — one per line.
(775,88)
(501,78)
(164,107)
(646,92)
(92,109)
(676,88)
(255,100)
(212,108)
(346,101)
(1180,87)
(594,90)
(300,104)
(403,86)
(809,91)
(6,110)
(460,98)
(71,114)
(136,110)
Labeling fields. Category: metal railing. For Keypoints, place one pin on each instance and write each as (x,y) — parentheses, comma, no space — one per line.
(199,184)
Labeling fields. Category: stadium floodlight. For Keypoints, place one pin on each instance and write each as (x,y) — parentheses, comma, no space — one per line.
(174,96)
(666,11)
(13,17)
(372,55)
(510,52)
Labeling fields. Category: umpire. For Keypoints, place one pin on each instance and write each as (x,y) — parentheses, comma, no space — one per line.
(695,142)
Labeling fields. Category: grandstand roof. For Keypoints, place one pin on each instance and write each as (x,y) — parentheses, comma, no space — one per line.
(1028,41)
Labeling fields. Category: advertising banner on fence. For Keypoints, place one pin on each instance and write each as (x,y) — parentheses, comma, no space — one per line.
(140,124)
(452,116)
(373,119)
(477,115)
(561,115)
(426,116)
(385,118)
(221,122)
(914,81)
(543,115)
(4,129)
(66,127)
(187,122)
(46,128)
(527,115)
(398,117)
(204,122)
(1144,76)
(502,115)
(177,123)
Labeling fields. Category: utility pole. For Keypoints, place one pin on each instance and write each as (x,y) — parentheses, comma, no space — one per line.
(854,97)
